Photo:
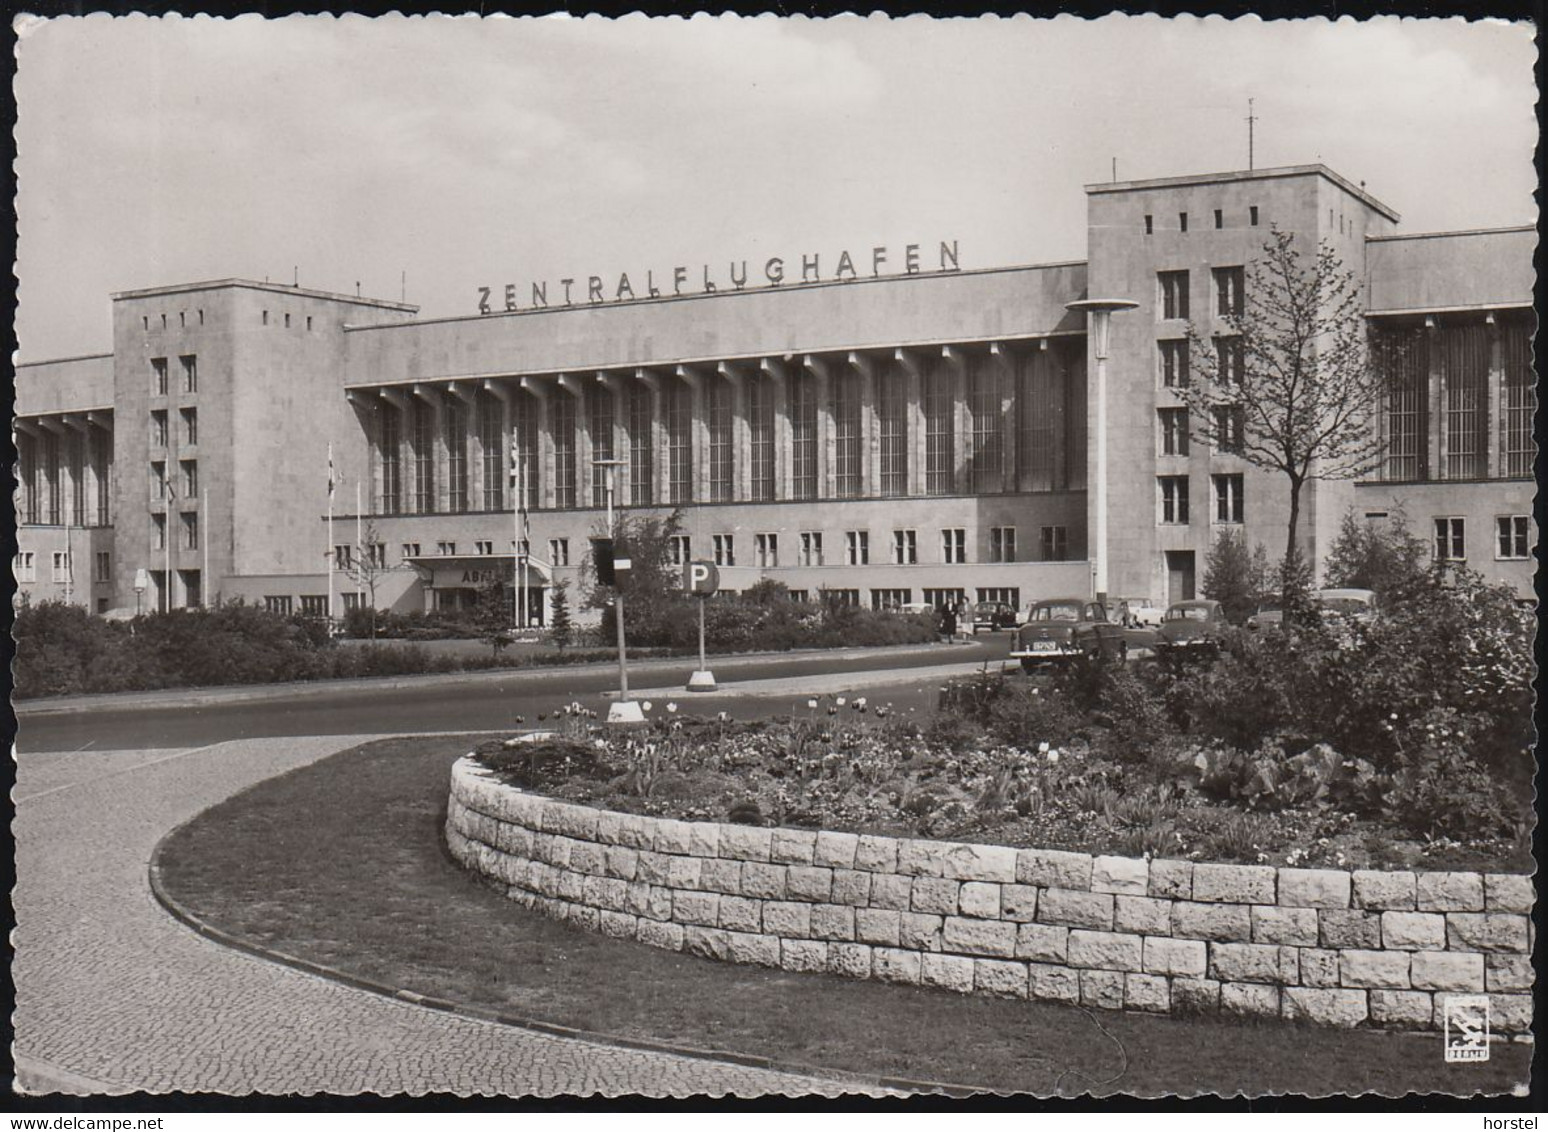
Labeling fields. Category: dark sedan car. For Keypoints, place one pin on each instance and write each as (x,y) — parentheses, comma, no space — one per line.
(992,615)
(1191,626)
(1061,628)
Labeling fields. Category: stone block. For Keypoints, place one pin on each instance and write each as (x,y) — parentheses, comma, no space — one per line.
(1109,951)
(876,854)
(792,846)
(956,861)
(635,831)
(936,895)
(762,950)
(1002,977)
(1319,967)
(1234,884)
(653,868)
(980,899)
(1126,875)
(1510,1013)
(587,857)
(1018,902)
(1402,1009)
(1164,956)
(919,931)
(766,882)
(889,890)
(671,836)
(609,826)
(1195,996)
(803,955)
(835,850)
(1486,931)
(703,839)
(1349,929)
(1380,891)
(1294,926)
(805,882)
(1045,943)
(1325,1006)
(1508,972)
(1101,989)
(1450,892)
(1314,888)
(1387,969)
(1054,868)
(668,937)
(851,886)
(852,960)
(1253,963)
(1413,931)
(786,918)
(952,972)
(979,937)
(708,943)
(1146,992)
(579,822)
(1144,915)
(699,908)
(608,893)
(1076,909)
(1257,1000)
(739,914)
(877,925)
(1053,983)
(1461,971)
(721,874)
(1226,923)
(1508,892)
(1171,880)
(621,862)
(619,925)
(893,965)
(833,922)
(683,872)
(745,842)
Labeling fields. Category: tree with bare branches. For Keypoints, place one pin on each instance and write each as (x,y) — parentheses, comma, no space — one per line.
(1286,381)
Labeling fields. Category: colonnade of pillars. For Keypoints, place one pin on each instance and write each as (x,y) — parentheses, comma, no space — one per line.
(64,465)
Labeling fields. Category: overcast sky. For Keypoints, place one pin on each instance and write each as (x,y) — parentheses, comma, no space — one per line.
(468,153)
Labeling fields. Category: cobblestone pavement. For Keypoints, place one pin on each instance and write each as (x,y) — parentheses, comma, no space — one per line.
(112,990)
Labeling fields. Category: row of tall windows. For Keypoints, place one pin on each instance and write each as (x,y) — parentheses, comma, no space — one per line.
(1053,546)
(64,481)
(188,365)
(1229,495)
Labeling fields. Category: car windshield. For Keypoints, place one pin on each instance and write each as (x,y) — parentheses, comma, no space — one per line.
(1188,613)
(1059,612)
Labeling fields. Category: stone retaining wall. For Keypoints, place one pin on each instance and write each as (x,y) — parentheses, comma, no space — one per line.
(1322,945)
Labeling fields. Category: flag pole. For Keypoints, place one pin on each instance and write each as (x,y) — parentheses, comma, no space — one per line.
(359,551)
(204,598)
(518,605)
(328,550)
(166,543)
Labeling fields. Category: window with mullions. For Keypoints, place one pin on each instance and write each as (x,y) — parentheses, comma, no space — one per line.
(1229,505)
(1514,536)
(1402,358)
(717,414)
(525,426)
(641,444)
(940,429)
(766,549)
(846,433)
(562,425)
(857,548)
(811,548)
(1173,286)
(677,414)
(600,411)
(102,463)
(1518,398)
(803,435)
(1002,544)
(389,442)
(487,416)
(1053,543)
(1230,429)
(190,365)
(159,376)
(1174,431)
(891,599)
(1174,498)
(1230,291)
(892,428)
(1039,415)
(1464,361)
(725,549)
(1230,360)
(987,457)
(905,548)
(1451,539)
(1174,362)
(422,456)
(760,427)
(455,419)
(954,545)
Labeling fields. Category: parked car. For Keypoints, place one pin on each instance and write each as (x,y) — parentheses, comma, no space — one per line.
(1061,628)
(992,615)
(1139,613)
(1270,614)
(1357,604)
(1191,626)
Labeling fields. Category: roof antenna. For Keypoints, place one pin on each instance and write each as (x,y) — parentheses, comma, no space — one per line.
(1115,170)
(357,288)
(1251,118)
(295,275)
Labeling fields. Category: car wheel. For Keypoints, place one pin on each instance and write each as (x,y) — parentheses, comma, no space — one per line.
(1028,665)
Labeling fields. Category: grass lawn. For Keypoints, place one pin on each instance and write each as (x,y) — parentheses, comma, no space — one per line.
(343,863)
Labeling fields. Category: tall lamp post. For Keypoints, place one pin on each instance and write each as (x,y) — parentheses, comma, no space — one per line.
(1101,312)
(622,710)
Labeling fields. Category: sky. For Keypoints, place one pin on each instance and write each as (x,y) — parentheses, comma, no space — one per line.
(426,157)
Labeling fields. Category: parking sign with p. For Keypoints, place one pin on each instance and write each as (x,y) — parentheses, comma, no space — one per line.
(700,578)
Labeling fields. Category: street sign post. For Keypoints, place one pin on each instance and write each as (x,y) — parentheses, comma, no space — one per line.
(701,579)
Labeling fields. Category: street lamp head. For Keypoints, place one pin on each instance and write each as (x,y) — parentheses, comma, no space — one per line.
(1101,311)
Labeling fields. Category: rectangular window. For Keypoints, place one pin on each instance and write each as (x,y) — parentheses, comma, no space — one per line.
(1230,288)
(718,418)
(1053,543)
(1219,219)
(1174,498)
(159,376)
(351,597)
(1006,595)
(190,530)
(986,458)
(190,426)
(158,532)
(1174,362)
(1174,293)
(891,599)
(524,437)
(857,548)
(491,446)
(562,425)
(61,566)
(803,435)
(954,545)
(422,455)
(559,552)
(766,549)
(1252,215)
(725,550)
(1230,361)
(940,597)
(642,419)
(1002,544)
(158,479)
(760,428)
(1228,498)
(445,548)
(1464,361)
(1040,404)
(27,475)
(1174,431)
(680,550)
(1515,536)
(190,470)
(454,416)
(677,412)
(388,445)
(376,555)
(940,412)
(1518,400)
(26,566)
(905,548)
(840,597)
(1451,539)
(892,427)
(601,409)
(483,546)
(277,603)
(190,373)
(410,550)
(1182,221)
(847,450)
(811,548)
(1402,357)
(1150,224)
(51,476)
(800,595)
(313,605)
(158,428)
(1230,429)
(344,557)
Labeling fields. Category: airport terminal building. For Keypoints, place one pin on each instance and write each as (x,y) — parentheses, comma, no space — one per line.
(885,425)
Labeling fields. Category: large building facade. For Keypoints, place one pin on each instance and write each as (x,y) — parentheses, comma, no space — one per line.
(889,438)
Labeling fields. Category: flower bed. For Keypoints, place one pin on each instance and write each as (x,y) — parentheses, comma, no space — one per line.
(1328,946)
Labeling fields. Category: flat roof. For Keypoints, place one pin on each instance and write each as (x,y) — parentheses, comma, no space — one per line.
(62,361)
(1317,170)
(274,288)
(1448,235)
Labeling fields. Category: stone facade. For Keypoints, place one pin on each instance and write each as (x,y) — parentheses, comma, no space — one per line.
(1311,945)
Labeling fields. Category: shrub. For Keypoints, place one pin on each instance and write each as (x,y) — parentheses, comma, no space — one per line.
(1235,577)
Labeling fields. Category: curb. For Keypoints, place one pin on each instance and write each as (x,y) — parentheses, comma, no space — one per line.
(520,1021)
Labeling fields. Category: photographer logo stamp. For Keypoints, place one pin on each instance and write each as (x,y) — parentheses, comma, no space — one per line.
(1467,1027)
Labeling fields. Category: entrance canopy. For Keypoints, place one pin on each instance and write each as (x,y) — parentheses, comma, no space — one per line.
(469,571)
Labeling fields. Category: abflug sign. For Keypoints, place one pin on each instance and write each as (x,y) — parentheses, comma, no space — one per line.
(595,289)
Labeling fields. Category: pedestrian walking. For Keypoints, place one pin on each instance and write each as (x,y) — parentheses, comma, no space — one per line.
(949,622)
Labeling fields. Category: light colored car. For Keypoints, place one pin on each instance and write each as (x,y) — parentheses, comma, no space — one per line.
(1358,604)
(1065,627)
(1191,626)
(1139,613)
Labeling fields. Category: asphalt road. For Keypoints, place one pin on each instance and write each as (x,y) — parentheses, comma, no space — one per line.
(474,703)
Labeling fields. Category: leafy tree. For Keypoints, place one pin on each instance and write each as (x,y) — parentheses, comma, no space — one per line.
(1385,557)
(656,608)
(1234,577)
(368,567)
(560,628)
(1289,386)
(492,615)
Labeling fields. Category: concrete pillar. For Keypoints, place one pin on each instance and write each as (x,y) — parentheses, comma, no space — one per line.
(1492,429)
(544,463)
(399,404)
(611,385)
(430,397)
(1004,361)
(826,454)
(698,431)
(961,424)
(870,437)
(914,382)
(570,385)
(505,395)
(461,396)
(659,469)
(735,376)
(776,372)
